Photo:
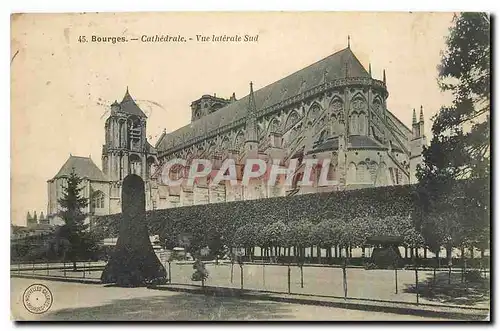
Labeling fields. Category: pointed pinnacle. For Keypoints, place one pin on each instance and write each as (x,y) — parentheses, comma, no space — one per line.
(370,69)
(385,80)
(421,113)
(348,41)
(251,100)
(414,117)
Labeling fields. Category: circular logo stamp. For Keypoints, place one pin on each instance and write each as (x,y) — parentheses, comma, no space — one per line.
(37,299)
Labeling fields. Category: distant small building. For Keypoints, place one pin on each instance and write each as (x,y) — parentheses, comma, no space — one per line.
(33,221)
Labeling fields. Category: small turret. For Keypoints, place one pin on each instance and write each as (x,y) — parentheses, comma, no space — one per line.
(421,122)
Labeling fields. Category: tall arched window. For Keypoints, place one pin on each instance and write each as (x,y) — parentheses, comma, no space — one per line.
(292,119)
(314,112)
(97,200)
(362,173)
(351,173)
(240,139)
(362,123)
(353,127)
(135,164)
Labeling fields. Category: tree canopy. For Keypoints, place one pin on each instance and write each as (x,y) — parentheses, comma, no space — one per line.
(460,146)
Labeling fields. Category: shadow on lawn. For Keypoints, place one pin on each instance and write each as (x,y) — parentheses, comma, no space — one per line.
(178,307)
(451,290)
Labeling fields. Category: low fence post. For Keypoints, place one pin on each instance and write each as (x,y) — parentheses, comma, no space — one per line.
(465,272)
(169,272)
(232,270)
(241,276)
(263,274)
(344,277)
(416,283)
(64,268)
(83,269)
(18,268)
(288,278)
(240,262)
(33,267)
(449,273)
(396,277)
(301,276)
(47,268)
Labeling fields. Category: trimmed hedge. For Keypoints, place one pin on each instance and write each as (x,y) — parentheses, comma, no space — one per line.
(201,224)
(226,217)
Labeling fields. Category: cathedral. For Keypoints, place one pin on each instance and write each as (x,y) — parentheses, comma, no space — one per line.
(331,110)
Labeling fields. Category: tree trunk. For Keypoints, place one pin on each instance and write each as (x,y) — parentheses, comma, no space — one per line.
(472,252)
(74,265)
(406,252)
(425,252)
(448,253)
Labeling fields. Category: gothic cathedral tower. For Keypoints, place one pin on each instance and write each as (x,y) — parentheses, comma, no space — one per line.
(417,144)
(126,149)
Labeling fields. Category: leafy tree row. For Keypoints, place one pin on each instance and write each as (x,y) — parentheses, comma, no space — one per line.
(326,234)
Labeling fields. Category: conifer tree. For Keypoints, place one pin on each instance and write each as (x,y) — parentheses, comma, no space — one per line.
(74,228)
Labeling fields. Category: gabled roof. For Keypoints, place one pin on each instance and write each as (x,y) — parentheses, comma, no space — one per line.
(328,69)
(129,106)
(84,168)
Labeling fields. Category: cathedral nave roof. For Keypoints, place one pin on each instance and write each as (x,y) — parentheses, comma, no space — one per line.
(328,69)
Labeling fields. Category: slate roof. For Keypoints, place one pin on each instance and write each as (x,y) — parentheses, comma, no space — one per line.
(129,106)
(328,145)
(363,141)
(84,168)
(328,69)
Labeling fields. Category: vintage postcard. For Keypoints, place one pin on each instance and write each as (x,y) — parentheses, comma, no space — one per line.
(250,166)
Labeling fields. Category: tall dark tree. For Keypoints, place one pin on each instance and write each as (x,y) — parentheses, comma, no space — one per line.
(74,228)
(133,262)
(460,146)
